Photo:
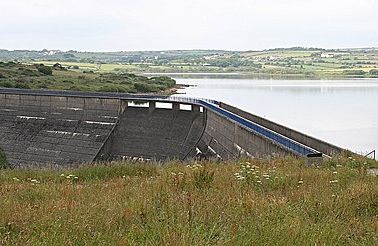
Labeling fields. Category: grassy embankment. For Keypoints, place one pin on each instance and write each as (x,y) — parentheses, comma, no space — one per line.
(246,202)
(37,76)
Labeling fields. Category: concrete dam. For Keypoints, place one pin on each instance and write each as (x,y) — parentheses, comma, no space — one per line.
(63,129)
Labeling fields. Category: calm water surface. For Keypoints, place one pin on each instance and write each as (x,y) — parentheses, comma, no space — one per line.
(342,112)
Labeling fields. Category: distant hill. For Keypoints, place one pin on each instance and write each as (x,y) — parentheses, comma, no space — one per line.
(295,61)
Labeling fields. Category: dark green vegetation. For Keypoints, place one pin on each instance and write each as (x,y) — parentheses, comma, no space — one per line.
(246,202)
(57,77)
(3,160)
(302,62)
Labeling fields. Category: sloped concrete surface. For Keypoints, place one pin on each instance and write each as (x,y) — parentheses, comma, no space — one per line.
(43,131)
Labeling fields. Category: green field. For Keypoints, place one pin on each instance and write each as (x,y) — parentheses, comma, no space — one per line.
(245,202)
(297,61)
(60,77)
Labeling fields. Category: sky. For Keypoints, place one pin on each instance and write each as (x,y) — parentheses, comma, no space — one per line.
(129,25)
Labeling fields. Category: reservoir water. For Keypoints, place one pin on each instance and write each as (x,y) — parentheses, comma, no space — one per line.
(342,112)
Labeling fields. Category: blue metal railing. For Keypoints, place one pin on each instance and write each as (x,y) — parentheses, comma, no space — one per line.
(281,140)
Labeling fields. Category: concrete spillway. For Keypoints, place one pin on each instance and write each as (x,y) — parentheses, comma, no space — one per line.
(60,129)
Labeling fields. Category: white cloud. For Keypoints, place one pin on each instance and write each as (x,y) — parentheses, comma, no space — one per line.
(179,24)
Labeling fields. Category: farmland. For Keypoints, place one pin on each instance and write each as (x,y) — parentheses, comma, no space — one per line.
(295,62)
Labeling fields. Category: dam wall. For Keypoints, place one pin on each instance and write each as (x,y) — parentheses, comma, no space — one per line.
(51,131)
(227,140)
(155,133)
(39,131)
(321,146)
(62,129)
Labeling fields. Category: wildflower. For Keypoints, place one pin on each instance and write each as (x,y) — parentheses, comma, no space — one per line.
(34,181)
(333,195)
(174,174)
(338,165)
(16,179)
(258,181)
(76,177)
(62,175)
(124,176)
(180,173)
(266,175)
(300,182)
(334,172)
(240,177)
(334,181)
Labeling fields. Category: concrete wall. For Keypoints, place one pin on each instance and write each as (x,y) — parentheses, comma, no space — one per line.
(57,131)
(229,140)
(53,131)
(312,142)
(47,131)
(155,133)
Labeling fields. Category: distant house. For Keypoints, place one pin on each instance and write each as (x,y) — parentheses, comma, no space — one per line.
(327,55)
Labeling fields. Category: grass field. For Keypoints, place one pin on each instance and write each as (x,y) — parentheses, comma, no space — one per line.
(46,76)
(245,202)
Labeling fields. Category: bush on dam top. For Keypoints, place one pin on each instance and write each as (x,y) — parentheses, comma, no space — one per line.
(57,77)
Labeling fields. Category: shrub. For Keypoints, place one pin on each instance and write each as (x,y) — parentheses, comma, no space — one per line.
(354,72)
(7,84)
(3,160)
(44,69)
(373,72)
(143,87)
(22,86)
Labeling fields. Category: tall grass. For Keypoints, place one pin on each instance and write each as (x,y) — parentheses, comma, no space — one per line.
(3,160)
(245,202)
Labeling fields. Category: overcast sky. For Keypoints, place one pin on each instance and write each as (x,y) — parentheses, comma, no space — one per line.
(114,25)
